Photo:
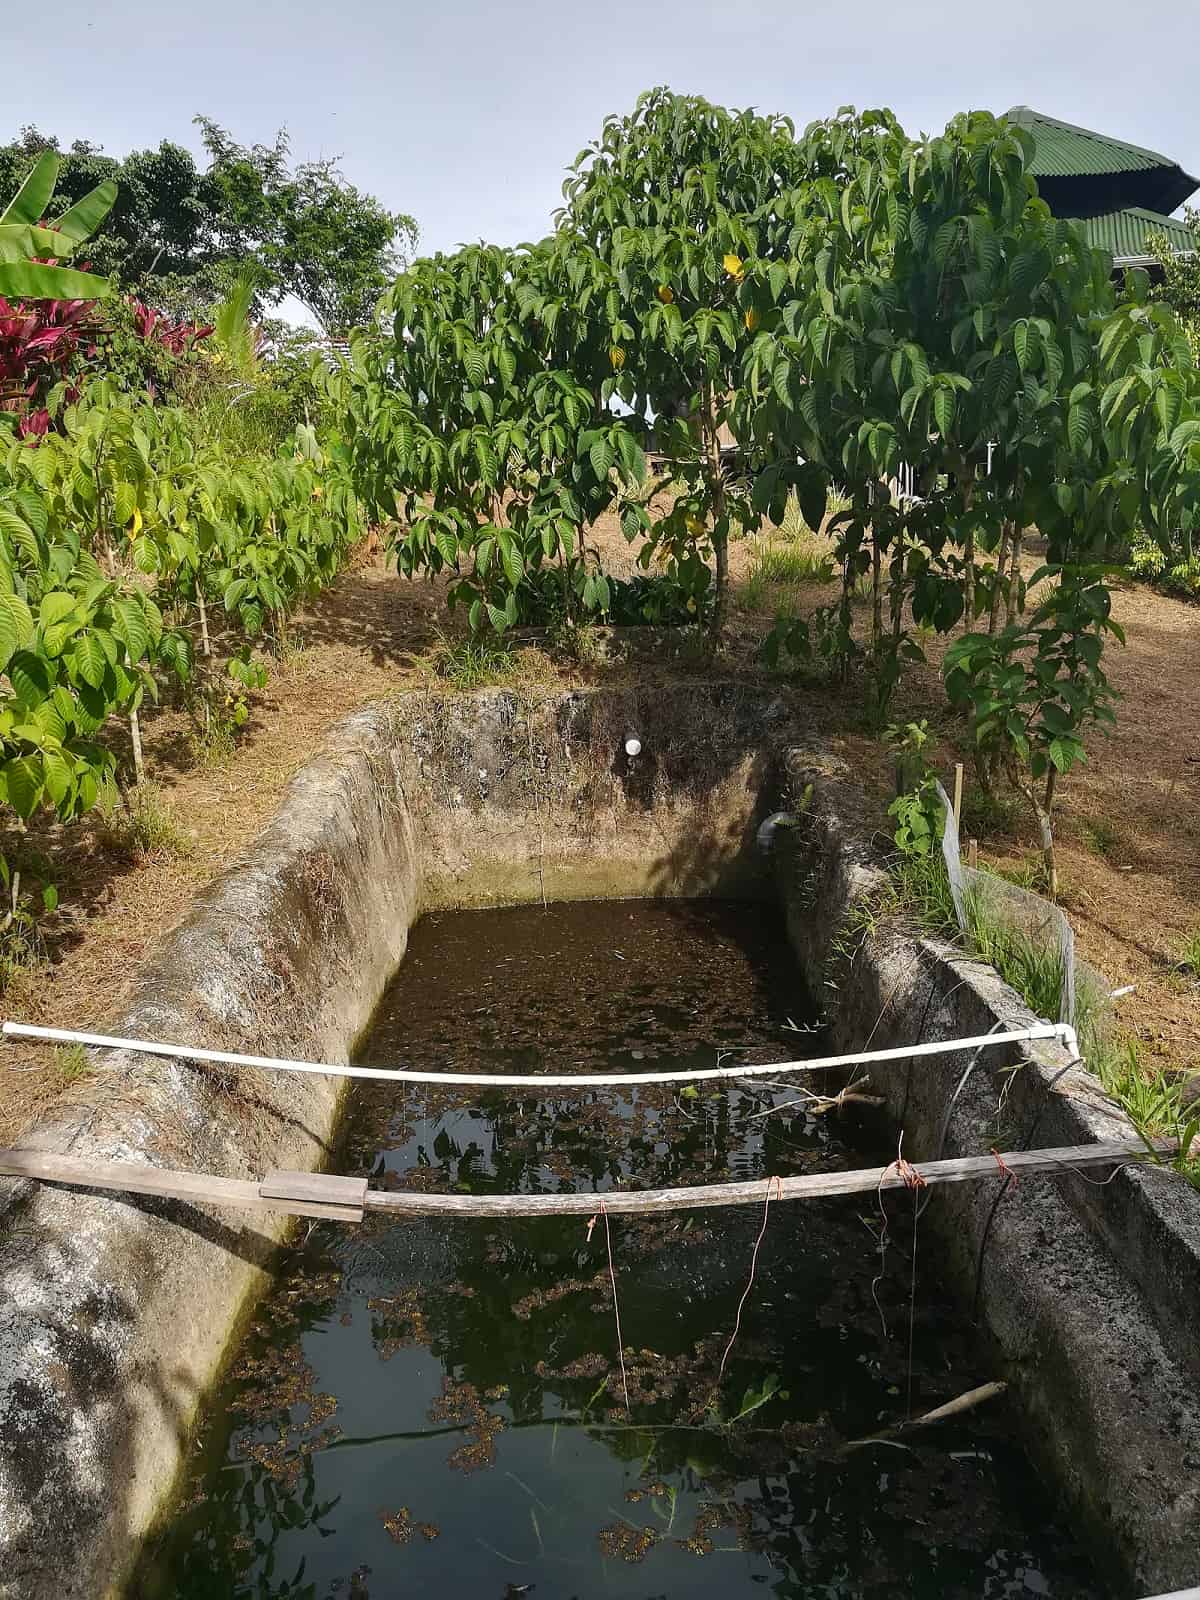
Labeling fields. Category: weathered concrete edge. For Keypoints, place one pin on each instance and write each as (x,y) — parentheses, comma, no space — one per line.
(1081,1289)
(115,1315)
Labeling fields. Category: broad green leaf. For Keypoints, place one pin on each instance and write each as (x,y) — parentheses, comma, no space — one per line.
(31,199)
(28,280)
(86,215)
(16,627)
(90,660)
(31,678)
(601,457)
(23,784)
(124,502)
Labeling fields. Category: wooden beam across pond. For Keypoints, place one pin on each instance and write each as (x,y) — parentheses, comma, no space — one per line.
(314,1194)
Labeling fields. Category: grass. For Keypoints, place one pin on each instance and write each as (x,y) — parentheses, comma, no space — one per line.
(1155,1101)
(785,565)
(69,1063)
(478,664)
(141,826)
(986,815)
(1101,838)
(1189,954)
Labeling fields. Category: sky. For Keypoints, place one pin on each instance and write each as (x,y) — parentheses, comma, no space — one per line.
(465,113)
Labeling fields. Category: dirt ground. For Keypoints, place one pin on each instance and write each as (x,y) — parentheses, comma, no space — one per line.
(1128,822)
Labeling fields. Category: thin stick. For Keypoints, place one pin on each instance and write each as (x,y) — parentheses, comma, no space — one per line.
(612,1278)
(912,1301)
(750,1282)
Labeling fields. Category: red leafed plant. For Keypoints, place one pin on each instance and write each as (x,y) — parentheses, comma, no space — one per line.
(177,337)
(40,342)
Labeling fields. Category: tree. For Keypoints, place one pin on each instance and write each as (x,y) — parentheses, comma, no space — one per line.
(164,219)
(1179,285)
(475,426)
(178,231)
(948,321)
(671,201)
(312,234)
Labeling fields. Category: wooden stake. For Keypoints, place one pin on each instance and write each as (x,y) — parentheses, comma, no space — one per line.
(958,786)
(973,852)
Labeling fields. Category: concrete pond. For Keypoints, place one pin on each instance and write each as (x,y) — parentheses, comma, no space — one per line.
(197,1403)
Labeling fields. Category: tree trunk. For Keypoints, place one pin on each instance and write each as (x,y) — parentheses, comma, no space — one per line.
(998,587)
(1014,576)
(720,512)
(205,641)
(969,548)
(876,594)
(1042,807)
(135,733)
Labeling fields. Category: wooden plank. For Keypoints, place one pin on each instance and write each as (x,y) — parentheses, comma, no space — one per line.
(813,1186)
(321,1194)
(131,1177)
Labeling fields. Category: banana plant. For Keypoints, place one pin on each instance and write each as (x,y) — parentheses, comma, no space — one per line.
(27,247)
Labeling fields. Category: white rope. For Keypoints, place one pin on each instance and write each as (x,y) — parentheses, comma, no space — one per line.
(549,1080)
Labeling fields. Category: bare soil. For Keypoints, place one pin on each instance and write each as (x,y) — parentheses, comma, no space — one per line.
(1128,822)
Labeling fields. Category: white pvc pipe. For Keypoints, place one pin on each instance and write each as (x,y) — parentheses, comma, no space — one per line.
(549,1080)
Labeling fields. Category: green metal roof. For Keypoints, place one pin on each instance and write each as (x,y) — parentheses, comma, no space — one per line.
(1064,151)
(1124,233)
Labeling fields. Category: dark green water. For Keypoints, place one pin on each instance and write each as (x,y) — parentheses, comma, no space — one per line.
(437,1408)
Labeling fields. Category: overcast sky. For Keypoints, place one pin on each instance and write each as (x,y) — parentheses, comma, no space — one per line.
(464,113)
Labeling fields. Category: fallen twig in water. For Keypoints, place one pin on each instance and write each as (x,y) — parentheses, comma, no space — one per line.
(952,1408)
(818,1104)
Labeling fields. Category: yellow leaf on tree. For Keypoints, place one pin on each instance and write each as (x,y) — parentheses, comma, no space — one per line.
(665,293)
(617,356)
(136,523)
(734,266)
(751,319)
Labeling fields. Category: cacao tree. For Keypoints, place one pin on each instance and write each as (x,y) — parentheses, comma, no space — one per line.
(475,429)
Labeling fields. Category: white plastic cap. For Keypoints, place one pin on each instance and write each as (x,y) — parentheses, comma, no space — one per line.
(633,745)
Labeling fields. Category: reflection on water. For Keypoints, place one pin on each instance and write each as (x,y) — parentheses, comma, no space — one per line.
(431,1407)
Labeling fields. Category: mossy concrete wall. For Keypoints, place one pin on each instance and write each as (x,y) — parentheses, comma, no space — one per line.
(116,1314)
(1088,1290)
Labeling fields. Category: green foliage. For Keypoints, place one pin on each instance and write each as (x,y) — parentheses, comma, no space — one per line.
(26,247)
(664,214)
(1175,572)
(1179,280)
(175,228)
(117,535)
(472,426)
(918,811)
(21,946)
(1157,1103)
(309,232)
(140,824)
(777,565)
(1029,964)
(1189,953)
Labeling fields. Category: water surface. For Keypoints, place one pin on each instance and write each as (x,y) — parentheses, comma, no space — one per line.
(436,1407)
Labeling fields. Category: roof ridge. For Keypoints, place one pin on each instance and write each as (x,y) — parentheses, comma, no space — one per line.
(1014,114)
